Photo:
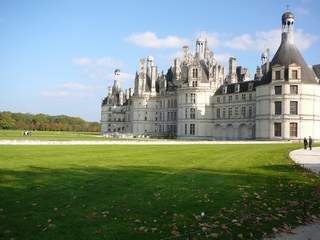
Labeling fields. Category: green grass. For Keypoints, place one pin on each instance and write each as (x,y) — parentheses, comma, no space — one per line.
(49,135)
(151,192)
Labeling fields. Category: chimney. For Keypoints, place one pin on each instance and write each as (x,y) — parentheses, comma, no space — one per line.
(154,74)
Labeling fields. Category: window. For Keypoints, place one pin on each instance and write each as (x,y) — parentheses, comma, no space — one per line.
(186,97)
(250,96)
(243,112)
(293,89)
(277,108)
(293,129)
(224,113)
(218,99)
(238,88)
(225,89)
(237,97)
(230,98)
(224,99)
(243,97)
(186,129)
(193,98)
(250,112)
(294,74)
(230,112)
(293,107)
(277,129)
(277,90)
(218,113)
(250,87)
(236,111)
(195,72)
(192,129)
(194,83)
(278,75)
(186,113)
(192,113)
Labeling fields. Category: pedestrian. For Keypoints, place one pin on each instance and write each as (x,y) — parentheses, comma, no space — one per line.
(305,143)
(310,143)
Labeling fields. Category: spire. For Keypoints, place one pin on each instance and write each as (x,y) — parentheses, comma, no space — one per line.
(287,27)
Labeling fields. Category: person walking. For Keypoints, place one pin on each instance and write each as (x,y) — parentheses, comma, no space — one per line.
(305,143)
(310,143)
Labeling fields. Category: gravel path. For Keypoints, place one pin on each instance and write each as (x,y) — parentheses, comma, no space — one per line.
(310,160)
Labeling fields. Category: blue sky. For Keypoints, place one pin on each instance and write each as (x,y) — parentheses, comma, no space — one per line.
(57,57)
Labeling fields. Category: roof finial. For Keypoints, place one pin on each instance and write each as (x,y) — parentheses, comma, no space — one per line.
(288,7)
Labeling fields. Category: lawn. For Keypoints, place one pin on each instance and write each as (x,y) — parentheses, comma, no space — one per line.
(152,192)
(49,135)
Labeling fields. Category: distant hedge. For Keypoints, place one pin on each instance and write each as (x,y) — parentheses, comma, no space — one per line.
(26,121)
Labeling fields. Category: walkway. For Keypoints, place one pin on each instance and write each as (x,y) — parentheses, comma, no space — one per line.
(310,160)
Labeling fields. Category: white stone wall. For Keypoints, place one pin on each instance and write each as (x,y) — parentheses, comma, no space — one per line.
(308,117)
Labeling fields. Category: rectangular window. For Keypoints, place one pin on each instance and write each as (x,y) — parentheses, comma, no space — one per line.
(186,113)
(277,90)
(192,113)
(250,96)
(218,113)
(218,99)
(293,129)
(278,75)
(193,98)
(194,83)
(186,97)
(277,129)
(293,89)
(293,107)
(186,129)
(192,129)
(195,72)
(243,97)
(243,112)
(224,99)
(237,97)
(250,112)
(277,108)
(294,74)
(236,111)
(224,113)
(230,98)
(230,112)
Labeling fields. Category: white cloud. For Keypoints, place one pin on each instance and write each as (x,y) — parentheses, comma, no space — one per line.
(103,61)
(71,90)
(242,42)
(269,39)
(81,61)
(151,40)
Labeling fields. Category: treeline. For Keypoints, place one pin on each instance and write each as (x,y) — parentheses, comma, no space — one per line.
(26,121)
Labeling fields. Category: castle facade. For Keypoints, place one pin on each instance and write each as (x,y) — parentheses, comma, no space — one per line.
(196,100)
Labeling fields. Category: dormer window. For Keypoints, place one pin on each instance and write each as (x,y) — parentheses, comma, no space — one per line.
(195,73)
(294,74)
(250,87)
(237,88)
(278,75)
(225,89)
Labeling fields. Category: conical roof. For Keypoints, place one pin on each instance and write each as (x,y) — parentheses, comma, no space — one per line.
(288,54)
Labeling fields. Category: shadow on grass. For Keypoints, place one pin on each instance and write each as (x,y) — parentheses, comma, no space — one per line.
(150,202)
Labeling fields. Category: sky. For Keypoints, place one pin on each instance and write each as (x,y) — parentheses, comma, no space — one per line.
(58,57)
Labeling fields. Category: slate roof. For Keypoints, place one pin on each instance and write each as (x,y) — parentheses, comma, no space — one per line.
(288,54)
(316,69)
(231,88)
